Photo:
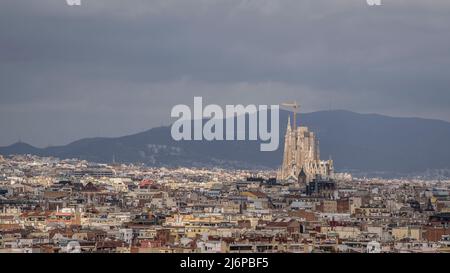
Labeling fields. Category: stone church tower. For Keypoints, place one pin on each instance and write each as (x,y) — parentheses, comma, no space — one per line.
(301,152)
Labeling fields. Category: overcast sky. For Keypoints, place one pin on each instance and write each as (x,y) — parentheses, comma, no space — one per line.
(116,67)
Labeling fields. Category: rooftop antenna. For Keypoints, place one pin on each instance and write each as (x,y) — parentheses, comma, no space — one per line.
(295,108)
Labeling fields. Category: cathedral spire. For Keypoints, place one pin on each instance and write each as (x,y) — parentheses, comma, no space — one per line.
(289,123)
(294,106)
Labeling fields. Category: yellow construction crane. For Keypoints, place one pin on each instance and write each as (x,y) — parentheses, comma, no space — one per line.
(295,108)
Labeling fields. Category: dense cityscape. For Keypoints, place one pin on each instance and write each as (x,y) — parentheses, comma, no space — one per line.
(239,128)
(51,205)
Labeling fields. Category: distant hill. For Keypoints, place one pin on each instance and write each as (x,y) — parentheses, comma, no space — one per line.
(363,142)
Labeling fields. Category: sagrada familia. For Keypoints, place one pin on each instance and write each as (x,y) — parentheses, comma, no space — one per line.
(301,159)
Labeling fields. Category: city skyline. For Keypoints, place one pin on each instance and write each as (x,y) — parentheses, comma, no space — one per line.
(49,205)
(210,134)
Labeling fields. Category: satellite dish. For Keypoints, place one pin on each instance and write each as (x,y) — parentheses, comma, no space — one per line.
(73,247)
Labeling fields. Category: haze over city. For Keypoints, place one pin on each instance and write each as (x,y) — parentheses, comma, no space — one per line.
(124,130)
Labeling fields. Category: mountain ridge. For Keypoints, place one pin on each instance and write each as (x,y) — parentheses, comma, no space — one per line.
(363,142)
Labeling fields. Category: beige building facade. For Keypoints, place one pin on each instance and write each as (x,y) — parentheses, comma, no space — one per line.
(301,151)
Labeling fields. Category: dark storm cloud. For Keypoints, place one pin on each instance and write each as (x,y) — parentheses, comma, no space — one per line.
(114,67)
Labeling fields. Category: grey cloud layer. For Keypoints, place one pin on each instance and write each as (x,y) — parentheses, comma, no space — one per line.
(114,67)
